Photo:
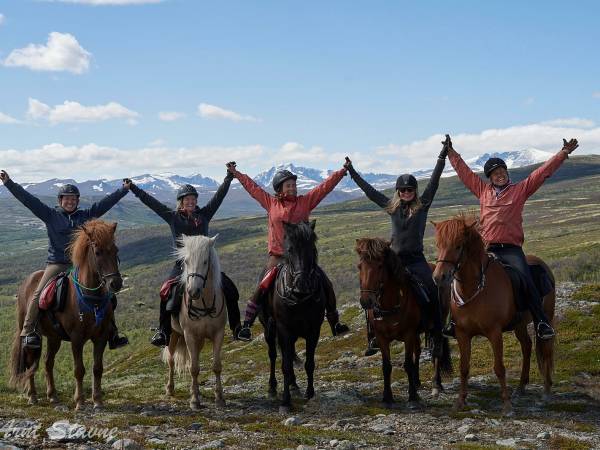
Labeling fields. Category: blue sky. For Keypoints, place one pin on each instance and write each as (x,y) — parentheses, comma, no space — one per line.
(82,87)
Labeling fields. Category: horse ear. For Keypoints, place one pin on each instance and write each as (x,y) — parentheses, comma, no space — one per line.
(435,224)
(85,230)
(214,239)
(313,223)
(114,227)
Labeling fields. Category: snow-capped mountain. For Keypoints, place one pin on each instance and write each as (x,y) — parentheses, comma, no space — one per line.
(163,186)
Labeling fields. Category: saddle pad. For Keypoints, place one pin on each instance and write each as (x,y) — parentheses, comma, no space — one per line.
(47,296)
(267,281)
(166,288)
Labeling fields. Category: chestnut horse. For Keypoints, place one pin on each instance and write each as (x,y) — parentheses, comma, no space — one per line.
(202,316)
(85,317)
(483,303)
(394,313)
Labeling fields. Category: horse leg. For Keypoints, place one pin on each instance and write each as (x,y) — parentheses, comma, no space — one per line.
(544,351)
(464,346)
(309,365)
(217,367)
(386,367)
(51,351)
(416,359)
(293,383)
(33,360)
(525,341)
(194,347)
(287,367)
(411,369)
(170,387)
(498,349)
(79,372)
(272,343)
(98,369)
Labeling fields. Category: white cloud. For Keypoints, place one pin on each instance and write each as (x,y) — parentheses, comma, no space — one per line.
(170,116)
(62,52)
(215,112)
(94,161)
(572,122)
(74,112)
(8,120)
(2,18)
(109,2)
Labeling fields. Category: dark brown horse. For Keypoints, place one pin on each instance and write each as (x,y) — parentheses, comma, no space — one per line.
(394,314)
(483,303)
(86,316)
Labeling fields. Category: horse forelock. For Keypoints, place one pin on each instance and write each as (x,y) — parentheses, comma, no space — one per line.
(193,251)
(372,248)
(459,231)
(101,233)
(299,235)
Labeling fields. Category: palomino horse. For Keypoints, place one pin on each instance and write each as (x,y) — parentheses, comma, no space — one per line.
(202,315)
(296,307)
(394,314)
(483,303)
(87,313)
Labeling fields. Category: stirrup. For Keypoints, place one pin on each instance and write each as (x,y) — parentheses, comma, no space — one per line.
(245,334)
(372,347)
(339,328)
(32,341)
(544,331)
(117,341)
(449,330)
(160,338)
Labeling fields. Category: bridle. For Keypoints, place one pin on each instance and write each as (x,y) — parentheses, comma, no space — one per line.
(375,303)
(285,292)
(103,277)
(195,312)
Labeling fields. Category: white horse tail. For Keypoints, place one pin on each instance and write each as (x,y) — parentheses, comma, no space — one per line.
(181,358)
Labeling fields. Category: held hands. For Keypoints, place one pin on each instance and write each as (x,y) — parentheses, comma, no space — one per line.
(348,164)
(231,168)
(127,183)
(568,147)
(4,176)
(447,146)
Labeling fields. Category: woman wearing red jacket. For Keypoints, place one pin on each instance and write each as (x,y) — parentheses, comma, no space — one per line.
(287,206)
(501,217)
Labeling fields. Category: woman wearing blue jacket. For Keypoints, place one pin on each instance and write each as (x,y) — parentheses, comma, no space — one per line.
(61,221)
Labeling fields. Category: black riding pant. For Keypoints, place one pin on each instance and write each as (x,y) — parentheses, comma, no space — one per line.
(515,258)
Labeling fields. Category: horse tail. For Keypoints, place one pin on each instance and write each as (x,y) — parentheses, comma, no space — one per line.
(20,372)
(446,358)
(180,355)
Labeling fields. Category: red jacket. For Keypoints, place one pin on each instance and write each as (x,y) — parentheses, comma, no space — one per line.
(501,214)
(288,210)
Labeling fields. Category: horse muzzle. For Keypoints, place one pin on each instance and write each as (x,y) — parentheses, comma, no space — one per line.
(115,283)
(366,301)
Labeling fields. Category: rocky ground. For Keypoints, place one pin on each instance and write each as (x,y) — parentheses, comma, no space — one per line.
(345,414)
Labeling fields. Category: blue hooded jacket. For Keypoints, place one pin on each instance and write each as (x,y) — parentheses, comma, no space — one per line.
(60,224)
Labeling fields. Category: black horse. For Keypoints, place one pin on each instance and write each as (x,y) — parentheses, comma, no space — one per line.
(296,308)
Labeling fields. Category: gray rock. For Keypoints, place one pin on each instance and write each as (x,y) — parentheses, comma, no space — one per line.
(507,442)
(7,446)
(196,426)
(464,429)
(126,444)
(212,444)
(291,421)
(333,442)
(157,441)
(305,447)
(345,445)
(471,437)
(544,435)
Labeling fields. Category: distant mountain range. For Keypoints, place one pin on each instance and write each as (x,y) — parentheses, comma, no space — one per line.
(163,186)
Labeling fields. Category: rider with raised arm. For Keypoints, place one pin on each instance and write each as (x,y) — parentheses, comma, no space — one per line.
(408,212)
(60,223)
(501,218)
(287,206)
(189,219)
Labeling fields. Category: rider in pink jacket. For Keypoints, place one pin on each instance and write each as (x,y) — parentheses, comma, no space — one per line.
(287,206)
(501,217)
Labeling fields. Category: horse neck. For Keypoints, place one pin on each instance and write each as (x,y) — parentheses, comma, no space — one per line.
(392,295)
(470,272)
(88,275)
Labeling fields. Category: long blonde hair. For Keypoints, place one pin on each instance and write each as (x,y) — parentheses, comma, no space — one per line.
(395,203)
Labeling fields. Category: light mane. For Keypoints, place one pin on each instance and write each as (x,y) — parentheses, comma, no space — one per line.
(193,252)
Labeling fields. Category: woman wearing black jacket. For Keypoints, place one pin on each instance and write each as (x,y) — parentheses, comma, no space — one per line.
(408,212)
(190,220)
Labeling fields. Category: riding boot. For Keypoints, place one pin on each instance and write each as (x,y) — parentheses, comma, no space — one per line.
(543,329)
(115,341)
(31,338)
(372,345)
(437,328)
(163,334)
(331,312)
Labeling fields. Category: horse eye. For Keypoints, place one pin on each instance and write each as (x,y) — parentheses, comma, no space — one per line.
(205,261)
(98,252)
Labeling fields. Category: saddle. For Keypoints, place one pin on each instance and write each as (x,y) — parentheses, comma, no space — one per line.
(54,294)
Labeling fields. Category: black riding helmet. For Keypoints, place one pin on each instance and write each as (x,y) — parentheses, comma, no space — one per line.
(406,180)
(68,189)
(186,189)
(280,177)
(491,164)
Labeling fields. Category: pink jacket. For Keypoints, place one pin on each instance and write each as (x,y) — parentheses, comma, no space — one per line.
(286,210)
(501,215)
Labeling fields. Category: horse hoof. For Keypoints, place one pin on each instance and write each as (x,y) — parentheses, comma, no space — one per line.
(195,406)
(388,404)
(414,405)
(309,394)
(284,409)
(32,401)
(294,388)
(220,403)
(435,393)
(78,406)
(507,410)
(53,400)
(546,397)
(98,406)
(272,393)
(170,393)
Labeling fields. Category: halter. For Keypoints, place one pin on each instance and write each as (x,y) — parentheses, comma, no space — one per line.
(287,293)
(195,312)
(101,276)
(378,312)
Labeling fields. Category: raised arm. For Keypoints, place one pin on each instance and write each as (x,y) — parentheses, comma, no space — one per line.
(469,178)
(434,181)
(159,208)
(255,191)
(98,209)
(372,194)
(318,193)
(213,205)
(535,180)
(39,209)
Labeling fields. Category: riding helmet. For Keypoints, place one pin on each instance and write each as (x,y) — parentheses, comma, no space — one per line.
(406,180)
(491,164)
(68,189)
(186,189)
(280,177)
